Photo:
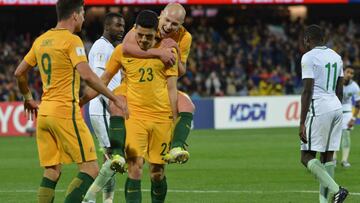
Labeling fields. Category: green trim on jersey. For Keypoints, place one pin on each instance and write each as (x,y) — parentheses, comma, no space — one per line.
(309,137)
(104,116)
(328,141)
(74,120)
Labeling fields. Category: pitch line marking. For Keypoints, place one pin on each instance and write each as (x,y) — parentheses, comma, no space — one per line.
(200,191)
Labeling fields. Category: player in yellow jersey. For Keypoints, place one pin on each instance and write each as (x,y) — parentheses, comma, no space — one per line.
(62,135)
(152,97)
(170,27)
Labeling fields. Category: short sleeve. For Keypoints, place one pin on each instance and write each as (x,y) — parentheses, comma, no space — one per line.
(185,45)
(77,51)
(173,71)
(30,57)
(114,64)
(307,67)
(357,94)
(341,66)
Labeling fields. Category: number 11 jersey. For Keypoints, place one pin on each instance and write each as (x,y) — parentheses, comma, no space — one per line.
(325,66)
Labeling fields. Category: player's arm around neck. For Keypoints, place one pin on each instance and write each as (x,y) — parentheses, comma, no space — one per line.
(173,93)
(130,47)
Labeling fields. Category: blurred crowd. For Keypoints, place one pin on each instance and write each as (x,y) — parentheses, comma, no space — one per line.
(226,59)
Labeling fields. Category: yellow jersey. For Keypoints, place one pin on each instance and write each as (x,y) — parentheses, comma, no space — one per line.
(184,39)
(56,53)
(146,85)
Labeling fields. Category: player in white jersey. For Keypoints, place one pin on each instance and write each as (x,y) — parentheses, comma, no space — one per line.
(351,91)
(321,111)
(99,54)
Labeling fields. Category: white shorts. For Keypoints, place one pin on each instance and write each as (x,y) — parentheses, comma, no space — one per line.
(346,119)
(100,125)
(323,132)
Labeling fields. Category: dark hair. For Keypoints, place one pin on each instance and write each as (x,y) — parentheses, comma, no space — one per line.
(314,33)
(109,16)
(64,8)
(147,19)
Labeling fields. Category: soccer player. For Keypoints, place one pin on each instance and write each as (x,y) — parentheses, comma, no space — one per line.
(62,135)
(99,54)
(170,27)
(147,104)
(321,111)
(351,90)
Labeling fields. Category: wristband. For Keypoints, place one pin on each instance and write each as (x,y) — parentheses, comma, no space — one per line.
(28,96)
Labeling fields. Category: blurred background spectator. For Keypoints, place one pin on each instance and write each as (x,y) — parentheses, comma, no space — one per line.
(232,54)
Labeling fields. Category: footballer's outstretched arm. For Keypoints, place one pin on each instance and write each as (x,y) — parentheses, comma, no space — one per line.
(131,47)
(90,93)
(97,84)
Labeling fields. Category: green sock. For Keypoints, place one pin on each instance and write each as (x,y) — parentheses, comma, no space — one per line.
(109,190)
(158,191)
(182,129)
(324,192)
(345,145)
(320,173)
(104,176)
(78,187)
(133,190)
(117,134)
(46,193)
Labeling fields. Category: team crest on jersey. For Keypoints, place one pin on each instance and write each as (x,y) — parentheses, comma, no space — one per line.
(80,51)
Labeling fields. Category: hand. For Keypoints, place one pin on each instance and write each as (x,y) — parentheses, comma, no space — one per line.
(121,103)
(31,109)
(302,133)
(169,43)
(167,56)
(351,123)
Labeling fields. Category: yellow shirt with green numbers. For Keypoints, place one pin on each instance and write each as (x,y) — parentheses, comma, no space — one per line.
(56,53)
(146,89)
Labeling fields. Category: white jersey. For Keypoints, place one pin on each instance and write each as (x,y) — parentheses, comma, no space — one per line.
(325,66)
(351,90)
(99,54)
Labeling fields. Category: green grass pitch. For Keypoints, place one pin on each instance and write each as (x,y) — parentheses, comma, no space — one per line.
(258,165)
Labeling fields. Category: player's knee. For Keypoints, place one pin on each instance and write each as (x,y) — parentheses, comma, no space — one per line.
(91,168)
(52,172)
(135,168)
(156,172)
(185,104)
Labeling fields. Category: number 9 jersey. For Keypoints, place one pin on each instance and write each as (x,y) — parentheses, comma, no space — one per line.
(56,53)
